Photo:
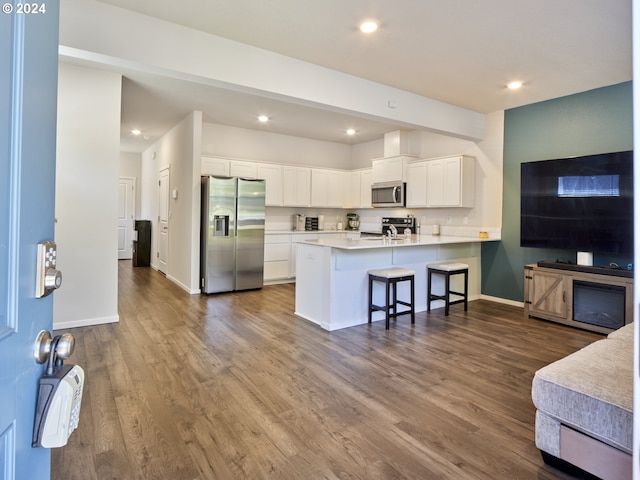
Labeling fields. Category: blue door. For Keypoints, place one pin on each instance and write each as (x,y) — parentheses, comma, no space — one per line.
(28,90)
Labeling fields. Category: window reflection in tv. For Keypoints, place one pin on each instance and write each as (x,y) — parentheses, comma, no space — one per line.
(589,186)
(581,203)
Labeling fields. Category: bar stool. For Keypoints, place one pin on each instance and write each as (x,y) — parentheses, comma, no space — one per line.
(447,270)
(391,277)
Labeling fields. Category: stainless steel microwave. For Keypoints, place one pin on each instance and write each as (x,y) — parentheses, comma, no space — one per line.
(388,194)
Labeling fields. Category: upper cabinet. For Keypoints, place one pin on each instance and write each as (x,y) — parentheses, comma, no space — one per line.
(366,180)
(431,183)
(358,188)
(328,188)
(274,192)
(239,168)
(450,181)
(296,186)
(214,166)
(390,169)
(417,184)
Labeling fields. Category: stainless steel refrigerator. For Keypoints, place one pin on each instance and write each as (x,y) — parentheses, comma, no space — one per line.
(232,234)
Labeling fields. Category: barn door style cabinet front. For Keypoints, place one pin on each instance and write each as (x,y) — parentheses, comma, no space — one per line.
(599,299)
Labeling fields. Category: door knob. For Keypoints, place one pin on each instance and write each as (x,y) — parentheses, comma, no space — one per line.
(42,347)
(53,349)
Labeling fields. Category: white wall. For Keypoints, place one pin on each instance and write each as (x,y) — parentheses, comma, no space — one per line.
(88,143)
(130,165)
(179,149)
(487,210)
(232,142)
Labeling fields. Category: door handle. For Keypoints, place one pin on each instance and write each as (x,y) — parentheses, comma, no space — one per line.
(53,349)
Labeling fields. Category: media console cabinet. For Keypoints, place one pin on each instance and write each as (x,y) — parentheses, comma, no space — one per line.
(599,299)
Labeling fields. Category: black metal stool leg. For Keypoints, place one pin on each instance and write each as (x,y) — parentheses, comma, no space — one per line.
(466,289)
(429,290)
(447,287)
(386,320)
(370,297)
(413,300)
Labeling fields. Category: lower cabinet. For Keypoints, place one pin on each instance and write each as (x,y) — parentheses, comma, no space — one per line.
(547,294)
(277,249)
(295,239)
(280,251)
(591,298)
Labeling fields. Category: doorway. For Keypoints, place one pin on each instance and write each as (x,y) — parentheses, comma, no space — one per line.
(126,213)
(163,220)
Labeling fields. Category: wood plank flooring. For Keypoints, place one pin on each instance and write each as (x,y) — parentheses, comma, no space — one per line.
(234,386)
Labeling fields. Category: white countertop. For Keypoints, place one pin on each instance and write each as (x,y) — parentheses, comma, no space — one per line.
(302,232)
(415,240)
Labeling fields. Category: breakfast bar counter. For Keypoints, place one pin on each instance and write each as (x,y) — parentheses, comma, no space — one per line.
(332,280)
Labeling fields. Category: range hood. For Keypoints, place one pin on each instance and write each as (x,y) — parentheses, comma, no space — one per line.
(396,143)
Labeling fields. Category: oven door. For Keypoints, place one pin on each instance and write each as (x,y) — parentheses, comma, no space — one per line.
(389,194)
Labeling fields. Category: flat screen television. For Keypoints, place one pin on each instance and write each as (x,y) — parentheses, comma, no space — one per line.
(581,203)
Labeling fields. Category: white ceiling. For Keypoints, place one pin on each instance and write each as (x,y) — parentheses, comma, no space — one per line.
(460,52)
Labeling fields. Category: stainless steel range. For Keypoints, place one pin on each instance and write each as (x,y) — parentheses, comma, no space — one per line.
(400,223)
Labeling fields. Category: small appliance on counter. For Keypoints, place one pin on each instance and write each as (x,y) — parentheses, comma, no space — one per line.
(299,222)
(353,221)
(311,224)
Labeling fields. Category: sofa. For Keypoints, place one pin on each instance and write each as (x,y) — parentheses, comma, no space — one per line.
(584,403)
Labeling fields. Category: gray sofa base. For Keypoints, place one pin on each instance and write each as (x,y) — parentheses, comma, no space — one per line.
(588,454)
(584,407)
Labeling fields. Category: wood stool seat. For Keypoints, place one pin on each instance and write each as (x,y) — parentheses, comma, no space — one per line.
(448,270)
(391,277)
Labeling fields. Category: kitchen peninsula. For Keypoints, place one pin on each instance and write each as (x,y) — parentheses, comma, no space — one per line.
(332,281)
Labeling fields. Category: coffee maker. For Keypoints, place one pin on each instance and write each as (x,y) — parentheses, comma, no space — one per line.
(353,221)
(299,222)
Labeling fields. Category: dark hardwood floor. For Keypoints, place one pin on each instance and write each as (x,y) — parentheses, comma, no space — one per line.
(234,386)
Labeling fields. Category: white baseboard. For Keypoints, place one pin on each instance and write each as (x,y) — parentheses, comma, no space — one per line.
(59,325)
(279,281)
(513,303)
(182,285)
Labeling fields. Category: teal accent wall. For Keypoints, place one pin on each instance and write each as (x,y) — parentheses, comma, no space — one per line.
(597,121)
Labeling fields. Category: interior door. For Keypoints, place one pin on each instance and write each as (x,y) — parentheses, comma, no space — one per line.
(28,90)
(126,212)
(163,220)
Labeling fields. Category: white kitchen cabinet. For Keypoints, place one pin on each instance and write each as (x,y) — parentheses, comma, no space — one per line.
(295,239)
(352,189)
(240,168)
(366,180)
(417,184)
(390,169)
(327,188)
(277,250)
(214,166)
(450,182)
(296,186)
(272,175)
(358,189)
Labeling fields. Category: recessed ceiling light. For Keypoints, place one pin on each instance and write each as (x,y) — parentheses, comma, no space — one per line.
(135,131)
(368,26)
(351,131)
(263,118)
(515,85)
